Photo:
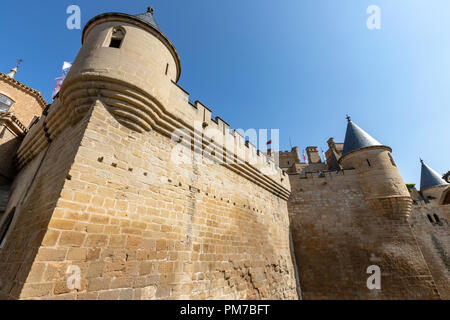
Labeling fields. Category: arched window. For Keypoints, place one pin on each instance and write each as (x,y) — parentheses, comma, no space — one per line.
(117,36)
(5,103)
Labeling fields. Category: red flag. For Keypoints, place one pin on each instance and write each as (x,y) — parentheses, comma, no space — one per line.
(269,142)
(304,157)
(58,85)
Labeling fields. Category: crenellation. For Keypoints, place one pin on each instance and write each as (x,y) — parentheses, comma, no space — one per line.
(149,196)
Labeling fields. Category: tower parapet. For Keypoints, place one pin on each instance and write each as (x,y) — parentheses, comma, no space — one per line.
(128,64)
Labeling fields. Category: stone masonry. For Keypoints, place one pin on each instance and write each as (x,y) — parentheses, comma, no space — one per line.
(124,189)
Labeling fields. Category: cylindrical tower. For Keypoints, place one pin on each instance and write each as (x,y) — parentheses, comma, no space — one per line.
(128,63)
(379,177)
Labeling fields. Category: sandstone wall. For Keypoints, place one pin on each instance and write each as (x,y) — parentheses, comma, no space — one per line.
(337,236)
(27,102)
(434,241)
(29,259)
(141,227)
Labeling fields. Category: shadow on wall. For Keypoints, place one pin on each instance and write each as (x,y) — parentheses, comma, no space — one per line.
(7,152)
(35,193)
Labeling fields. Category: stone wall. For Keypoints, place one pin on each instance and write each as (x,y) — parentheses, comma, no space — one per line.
(29,259)
(141,227)
(337,236)
(434,241)
(28,103)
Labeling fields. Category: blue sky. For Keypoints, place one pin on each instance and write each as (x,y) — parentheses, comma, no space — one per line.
(299,66)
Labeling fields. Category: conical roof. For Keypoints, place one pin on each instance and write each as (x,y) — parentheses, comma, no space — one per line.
(430,178)
(356,138)
(148,18)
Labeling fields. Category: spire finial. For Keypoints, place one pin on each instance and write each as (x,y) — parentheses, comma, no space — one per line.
(348,118)
(13,71)
(421,161)
(150,10)
(19,61)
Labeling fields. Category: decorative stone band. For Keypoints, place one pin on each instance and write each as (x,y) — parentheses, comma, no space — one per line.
(140,112)
(36,94)
(13,123)
(345,156)
(395,207)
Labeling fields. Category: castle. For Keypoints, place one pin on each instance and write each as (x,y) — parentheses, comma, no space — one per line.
(93,205)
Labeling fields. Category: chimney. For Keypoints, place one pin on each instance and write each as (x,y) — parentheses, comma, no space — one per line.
(313,155)
(331,144)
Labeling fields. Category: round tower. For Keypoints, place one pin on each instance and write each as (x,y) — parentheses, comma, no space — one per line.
(379,177)
(128,63)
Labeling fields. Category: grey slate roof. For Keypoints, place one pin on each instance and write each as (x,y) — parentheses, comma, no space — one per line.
(430,178)
(148,18)
(356,138)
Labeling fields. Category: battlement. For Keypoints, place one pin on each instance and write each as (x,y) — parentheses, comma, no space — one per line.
(212,137)
(326,175)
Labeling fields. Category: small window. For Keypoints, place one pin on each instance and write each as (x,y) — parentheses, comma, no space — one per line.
(368,162)
(430,219)
(6,226)
(167,69)
(437,218)
(118,34)
(392,159)
(5,103)
(115,43)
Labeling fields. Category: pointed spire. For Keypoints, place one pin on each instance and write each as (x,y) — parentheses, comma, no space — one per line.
(356,138)
(430,178)
(148,18)
(13,71)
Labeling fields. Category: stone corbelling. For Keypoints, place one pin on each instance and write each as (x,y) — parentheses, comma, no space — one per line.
(395,207)
(36,94)
(13,123)
(134,109)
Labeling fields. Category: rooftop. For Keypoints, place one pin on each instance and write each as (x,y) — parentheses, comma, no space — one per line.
(356,138)
(148,18)
(430,178)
